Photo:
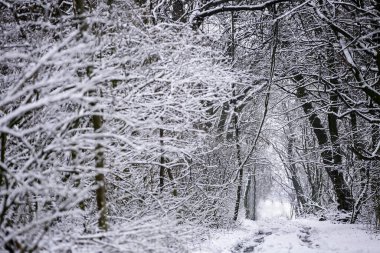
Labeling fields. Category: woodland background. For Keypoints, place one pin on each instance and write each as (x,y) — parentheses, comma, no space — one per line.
(135,126)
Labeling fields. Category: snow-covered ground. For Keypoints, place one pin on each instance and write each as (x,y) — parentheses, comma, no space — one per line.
(280,235)
(275,232)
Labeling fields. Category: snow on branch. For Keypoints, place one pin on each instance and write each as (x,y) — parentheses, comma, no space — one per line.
(198,15)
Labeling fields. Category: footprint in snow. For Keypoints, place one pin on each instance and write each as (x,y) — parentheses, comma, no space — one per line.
(304,236)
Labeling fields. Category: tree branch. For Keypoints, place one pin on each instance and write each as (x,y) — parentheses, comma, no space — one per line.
(200,15)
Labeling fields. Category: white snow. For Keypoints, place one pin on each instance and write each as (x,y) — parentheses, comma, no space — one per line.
(280,235)
(224,240)
(274,208)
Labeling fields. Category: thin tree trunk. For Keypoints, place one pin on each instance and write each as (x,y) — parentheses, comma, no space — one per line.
(231,51)
(254,214)
(162,162)
(163,168)
(364,173)
(170,175)
(300,196)
(375,175)
(2,157)
(97,122)
(247,195)
(250,196)
(293,173)
(240,177)
(3,179)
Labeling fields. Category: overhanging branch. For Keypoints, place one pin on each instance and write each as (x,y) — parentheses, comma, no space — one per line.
(199,15)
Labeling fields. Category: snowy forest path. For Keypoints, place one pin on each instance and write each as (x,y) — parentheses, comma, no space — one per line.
(293,236)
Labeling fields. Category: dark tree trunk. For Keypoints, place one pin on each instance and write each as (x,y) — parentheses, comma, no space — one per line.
(240,176)
(375,172)
(342,191)
(2,157)
(163,168)
(250,196)
(178,11)
(97,122)
(364,173)
(293,173)
(291,165)
(162,162)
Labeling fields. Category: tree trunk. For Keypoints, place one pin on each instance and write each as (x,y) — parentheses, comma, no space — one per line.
(240,176)
(2,157)
(375,173)
(162,162)
(178,11)
(250,196)
(97,122)
(342,191)
(293,172)
(247,195)
(291,165)
(364,173)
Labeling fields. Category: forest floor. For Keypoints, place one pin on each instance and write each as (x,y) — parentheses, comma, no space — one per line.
(279,235)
